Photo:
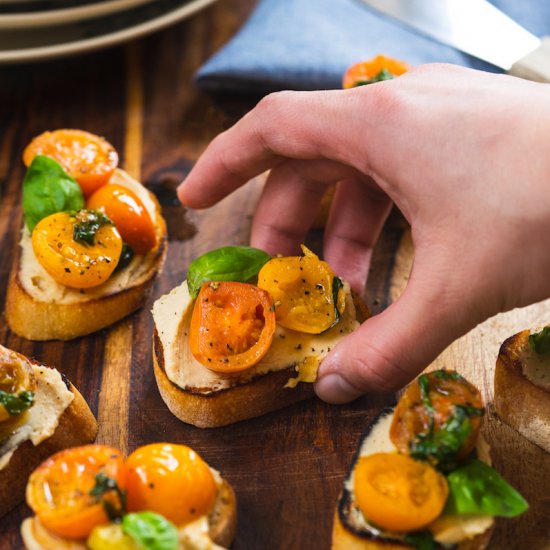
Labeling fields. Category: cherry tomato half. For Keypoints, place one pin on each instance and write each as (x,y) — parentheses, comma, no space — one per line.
(128,214)
(397,492)
(89,159)
(58,491)
(171,480)
(232,326)
(423,411)
(72,263)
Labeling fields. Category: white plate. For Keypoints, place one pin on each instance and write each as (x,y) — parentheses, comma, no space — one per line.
(66,15)
(18,46)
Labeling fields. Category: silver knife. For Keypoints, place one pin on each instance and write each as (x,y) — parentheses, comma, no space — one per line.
(477,28)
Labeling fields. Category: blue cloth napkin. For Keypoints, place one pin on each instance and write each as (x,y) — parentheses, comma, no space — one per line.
(308,44)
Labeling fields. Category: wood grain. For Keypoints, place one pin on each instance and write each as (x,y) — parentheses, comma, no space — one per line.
(286,467)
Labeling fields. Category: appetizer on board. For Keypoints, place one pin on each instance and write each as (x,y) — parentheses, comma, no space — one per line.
(522,384)
(245,333)
(163,496)
(41,412)
(92,241)
(421,477)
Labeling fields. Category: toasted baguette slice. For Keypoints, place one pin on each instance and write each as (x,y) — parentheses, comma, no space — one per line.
(346,535)
(225,399)
(522,389)
(39,308)
(222,525)
(75,425)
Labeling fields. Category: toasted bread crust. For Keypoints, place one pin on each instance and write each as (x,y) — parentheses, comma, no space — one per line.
(223,517)
(344,539)
(519,402)
(259,396)
(77,426)
(36,320)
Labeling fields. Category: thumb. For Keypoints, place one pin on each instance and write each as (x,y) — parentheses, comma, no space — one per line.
(391,348)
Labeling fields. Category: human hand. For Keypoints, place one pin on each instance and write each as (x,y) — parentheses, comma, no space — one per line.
(461,153)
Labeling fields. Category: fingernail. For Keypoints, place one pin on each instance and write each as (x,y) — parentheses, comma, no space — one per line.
(335,389)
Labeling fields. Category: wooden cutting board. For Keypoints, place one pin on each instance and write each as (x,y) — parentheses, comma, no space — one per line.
(287,467)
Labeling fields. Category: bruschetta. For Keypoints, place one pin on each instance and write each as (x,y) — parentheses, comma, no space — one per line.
(421,477)
(41,412)
(522,384)
(92,241)
(162,495)
(245,333)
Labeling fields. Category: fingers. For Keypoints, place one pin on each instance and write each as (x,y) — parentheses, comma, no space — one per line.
(357,215)
(290,201)
(391,348)
(291,125)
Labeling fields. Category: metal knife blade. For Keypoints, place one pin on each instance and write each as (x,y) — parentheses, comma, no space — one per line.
(473,26)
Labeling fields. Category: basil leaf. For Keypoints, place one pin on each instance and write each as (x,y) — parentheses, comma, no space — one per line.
(421,540)
(104,485)
(126,256)
(540,341)
(16,404)
(230,263)
(151,531)
(88,223)
(442,447)
(476,488)
(48,189)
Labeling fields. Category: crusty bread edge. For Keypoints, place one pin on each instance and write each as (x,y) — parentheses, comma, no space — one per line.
(344,539)
(519,402)
(36,320)
(77,426)
(257,397)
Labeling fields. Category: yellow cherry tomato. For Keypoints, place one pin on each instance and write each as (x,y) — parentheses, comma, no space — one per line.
(111,537)
(303,290)
(74,263)
(398,493)
(128,214)
(58,491)
(89,159)
(171,480)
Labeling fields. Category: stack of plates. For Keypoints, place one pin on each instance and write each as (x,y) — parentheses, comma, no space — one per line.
(33,30)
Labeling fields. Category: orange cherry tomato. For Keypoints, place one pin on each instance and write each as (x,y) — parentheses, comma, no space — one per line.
(232,326)
(129,215)
(365,71)
(398,493)
(302,288)
(171,480)
(58,491)
(89,159)
(446,389)
(73,263)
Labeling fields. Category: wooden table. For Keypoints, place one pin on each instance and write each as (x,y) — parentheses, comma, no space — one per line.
(287,467)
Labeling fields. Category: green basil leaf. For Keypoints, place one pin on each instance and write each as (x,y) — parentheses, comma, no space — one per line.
(540,341)
(16,404)
(230,263)
(88,223)
(48,189)
(104,485)
(476,488)
(443,446)
(126,256)
(151,531)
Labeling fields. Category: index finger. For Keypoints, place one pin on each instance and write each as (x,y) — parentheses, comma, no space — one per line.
(284,125)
